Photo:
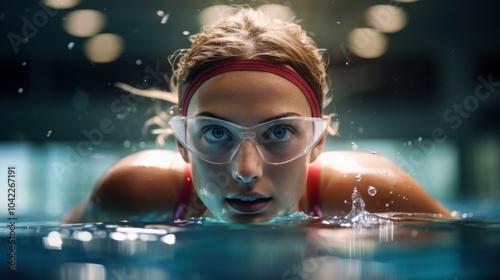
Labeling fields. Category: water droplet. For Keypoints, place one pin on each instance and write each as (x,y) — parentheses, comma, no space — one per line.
(352,122)
(138,62)
(48,133)
(358,204)
(20,90)
(419,139)
(390,192)
(360,130)
(160,13)
(24,63)
(185,32)
(126,144)
(71,45)
(347,63)
(164,19)
(338,22)
(387,205)
(372,190)
(142,144)
(373,152)
(345,201)
(354,146)
(409,143)
(358,177)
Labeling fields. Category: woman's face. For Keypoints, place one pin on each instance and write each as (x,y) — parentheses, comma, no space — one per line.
(248,189)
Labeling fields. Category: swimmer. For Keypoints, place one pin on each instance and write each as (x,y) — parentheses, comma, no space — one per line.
(250,130)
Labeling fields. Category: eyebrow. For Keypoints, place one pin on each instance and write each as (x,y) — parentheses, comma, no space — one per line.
(284,115)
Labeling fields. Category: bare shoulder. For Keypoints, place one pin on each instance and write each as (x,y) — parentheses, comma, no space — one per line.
(140,184)
(383,186)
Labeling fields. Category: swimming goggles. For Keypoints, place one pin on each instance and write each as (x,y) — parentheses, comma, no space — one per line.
(277,141)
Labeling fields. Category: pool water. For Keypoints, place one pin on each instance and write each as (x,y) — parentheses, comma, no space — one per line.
(359,245)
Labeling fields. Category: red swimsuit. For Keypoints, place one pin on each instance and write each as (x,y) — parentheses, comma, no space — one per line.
(313,180)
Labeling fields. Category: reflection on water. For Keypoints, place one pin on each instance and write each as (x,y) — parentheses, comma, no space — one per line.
(360,245)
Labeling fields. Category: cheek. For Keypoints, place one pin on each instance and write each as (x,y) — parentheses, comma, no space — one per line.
(290,179)
(209,181)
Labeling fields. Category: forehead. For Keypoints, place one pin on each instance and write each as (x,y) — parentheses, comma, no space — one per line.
(248,97)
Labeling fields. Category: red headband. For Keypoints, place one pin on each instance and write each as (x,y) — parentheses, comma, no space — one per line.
(244,64)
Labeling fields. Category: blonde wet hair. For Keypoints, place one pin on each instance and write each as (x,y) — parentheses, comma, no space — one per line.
(245,33)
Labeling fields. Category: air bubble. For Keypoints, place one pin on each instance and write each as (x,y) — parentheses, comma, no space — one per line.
(126,144)
(48,133)
(71,45)
(354,146)
(419,139)
(387,205)
(358,177)
(20,90)
(372,190)
(160,13)
(185,32)
(138,62)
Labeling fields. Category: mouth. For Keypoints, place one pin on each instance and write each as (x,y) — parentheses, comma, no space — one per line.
(249,203)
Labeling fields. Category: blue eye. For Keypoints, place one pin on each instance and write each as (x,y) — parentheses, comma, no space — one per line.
(215,134)
(279,133)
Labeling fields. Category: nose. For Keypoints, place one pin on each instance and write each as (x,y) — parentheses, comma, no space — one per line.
(247,163)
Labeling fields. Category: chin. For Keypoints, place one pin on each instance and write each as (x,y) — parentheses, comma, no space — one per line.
(250,218)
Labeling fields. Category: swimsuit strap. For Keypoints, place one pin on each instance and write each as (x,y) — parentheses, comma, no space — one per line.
(182,205)
(313,184)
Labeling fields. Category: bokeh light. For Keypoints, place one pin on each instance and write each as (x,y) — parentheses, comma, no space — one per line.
(84,23)
(367,42)
(104,48)
(213,13)
(386,18)
(280,12)
(61,4)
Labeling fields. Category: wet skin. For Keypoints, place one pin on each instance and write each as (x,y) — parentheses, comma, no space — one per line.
(146,185)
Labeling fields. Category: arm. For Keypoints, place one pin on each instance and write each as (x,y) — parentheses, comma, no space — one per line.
(393,189)
(144,185)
